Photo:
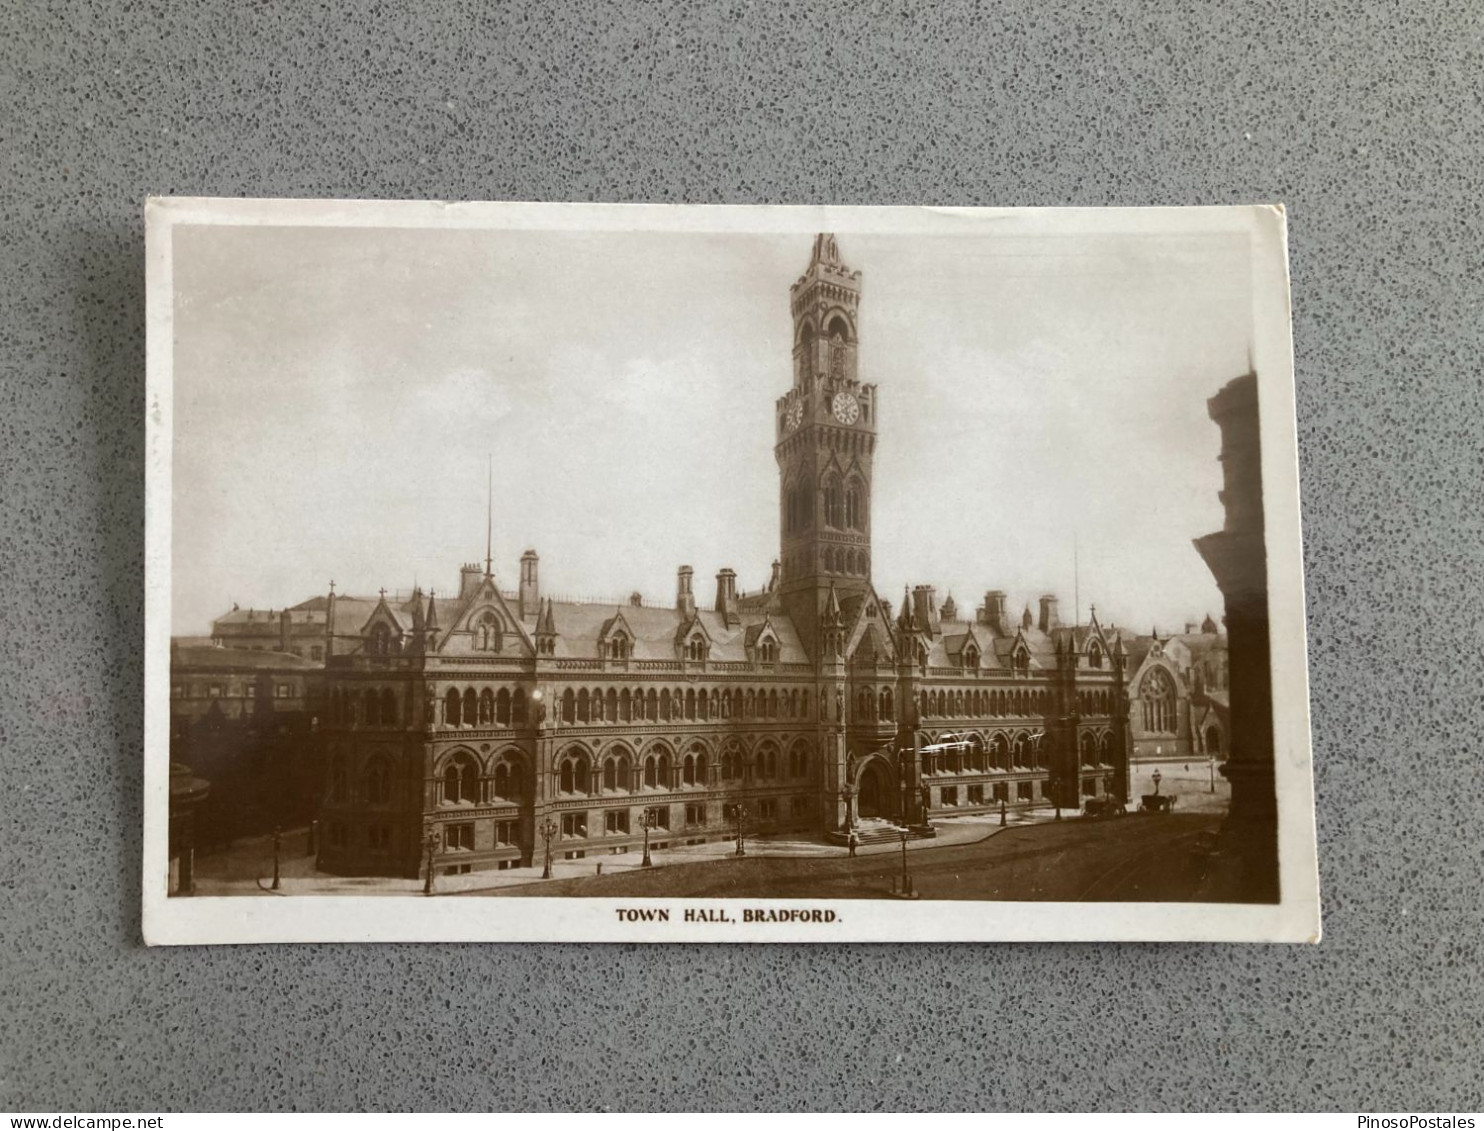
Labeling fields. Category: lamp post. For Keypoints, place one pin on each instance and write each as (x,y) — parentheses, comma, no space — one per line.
(277,843)
(430,846)
(1211,764)
(904,831)
(1002,812)
(648,821)
(739,814)
(548,830)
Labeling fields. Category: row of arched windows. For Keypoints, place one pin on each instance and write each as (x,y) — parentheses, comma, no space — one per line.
(619,771)
(1096,750)
(485,708)
(664,705)
(373,786)
(843,559)
(372,707)
(873,706)
(984,704)
(844,506)
(1095,702)
(461,781)
(999,754)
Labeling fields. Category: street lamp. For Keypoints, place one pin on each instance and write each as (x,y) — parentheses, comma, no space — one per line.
(648,821)
(739,814)
(277,841)
(1157,778)
(548,830)
(430,846)
(538,706)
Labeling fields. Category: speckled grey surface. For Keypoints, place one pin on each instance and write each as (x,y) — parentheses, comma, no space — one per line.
(1364,118)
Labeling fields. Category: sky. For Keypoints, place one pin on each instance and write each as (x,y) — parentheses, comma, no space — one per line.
(339,393)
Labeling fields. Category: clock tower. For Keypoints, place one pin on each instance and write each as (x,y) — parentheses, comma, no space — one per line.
(826,429)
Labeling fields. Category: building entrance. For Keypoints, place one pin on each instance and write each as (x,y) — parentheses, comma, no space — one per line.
(874,799)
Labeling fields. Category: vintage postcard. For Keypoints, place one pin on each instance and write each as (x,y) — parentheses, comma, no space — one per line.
(653,573)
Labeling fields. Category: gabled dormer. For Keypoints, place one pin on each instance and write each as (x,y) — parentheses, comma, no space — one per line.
(1097,655)
(484,625)
(763,644)
(546,631)
(1020,652)
(972,654)
(692,641)
(382,631)
(616,638)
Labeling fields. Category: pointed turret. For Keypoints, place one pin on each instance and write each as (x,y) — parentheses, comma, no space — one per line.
(430,619)
(831,617)
(1026,620)
(905,620)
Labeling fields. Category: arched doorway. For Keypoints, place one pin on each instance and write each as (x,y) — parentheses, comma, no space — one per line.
(1213,741)
(874,796)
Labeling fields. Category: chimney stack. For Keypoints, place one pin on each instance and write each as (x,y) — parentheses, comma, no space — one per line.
(1049,618)
(726,597)
(283,630)
(685,600)
(925,607)
(530,586)
(993,613)
(471,576)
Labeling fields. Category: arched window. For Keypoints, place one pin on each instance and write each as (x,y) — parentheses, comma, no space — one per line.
(833,510)
(885,708)
(976,754)
(768,650)
(461,781)
(1158,695)
(471,707)
(486,707)
(1020,751)
(651,779)
(690,703)
(1089,747)
(507,780)
(381,640)
(572,775)
(610,774)
(451,708)
(1095,655)
(487,633)
(688,770)
(701,776)
(999,753)
(664,705)
(610,706)
(569,706)
(666,779)
(855,506)
(372,710)
(378,781)
(502,707)
(518,707)
(1105,749)
(1022,661)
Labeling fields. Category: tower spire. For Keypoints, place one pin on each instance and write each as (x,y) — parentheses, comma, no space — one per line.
(489,516)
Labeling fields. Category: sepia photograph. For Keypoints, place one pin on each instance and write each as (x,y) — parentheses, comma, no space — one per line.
(722,574)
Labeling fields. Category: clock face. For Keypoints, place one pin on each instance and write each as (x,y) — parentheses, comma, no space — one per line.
(795,415)
(846,408)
